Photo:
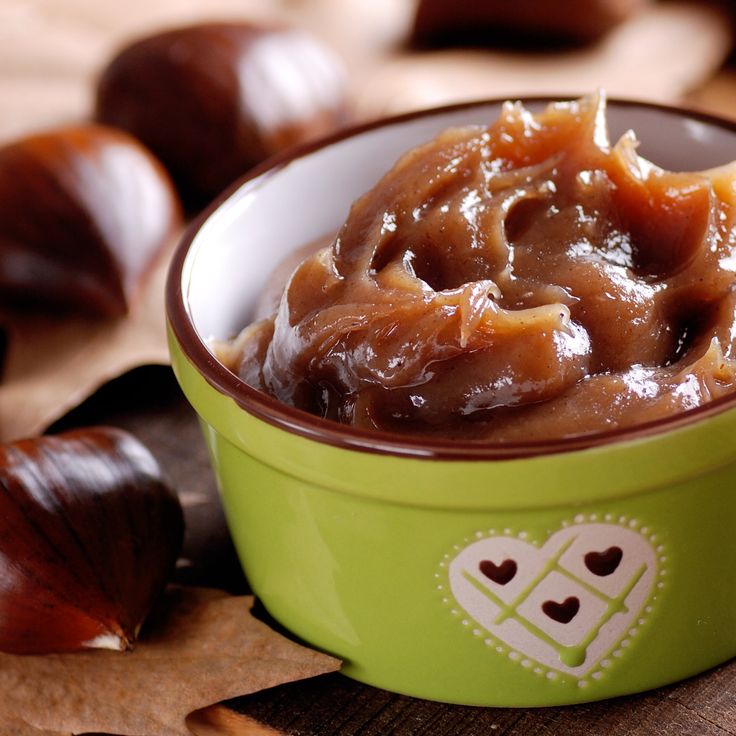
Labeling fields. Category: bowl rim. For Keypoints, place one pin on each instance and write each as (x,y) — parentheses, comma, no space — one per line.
(301,423)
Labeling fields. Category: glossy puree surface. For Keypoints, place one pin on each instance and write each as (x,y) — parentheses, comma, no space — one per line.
(524,281)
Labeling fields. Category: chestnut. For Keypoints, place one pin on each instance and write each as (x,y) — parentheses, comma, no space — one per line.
(84,211)
(470,22)
(89,534)
(213,100)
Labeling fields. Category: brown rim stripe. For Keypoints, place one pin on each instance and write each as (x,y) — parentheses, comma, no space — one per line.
(313,427)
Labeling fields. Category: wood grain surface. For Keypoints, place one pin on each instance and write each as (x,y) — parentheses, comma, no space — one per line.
(148,403)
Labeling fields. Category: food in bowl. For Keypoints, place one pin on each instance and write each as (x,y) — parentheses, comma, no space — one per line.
(376,547)
(521,281)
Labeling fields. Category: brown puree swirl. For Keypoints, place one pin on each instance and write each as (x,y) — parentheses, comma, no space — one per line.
(518,282)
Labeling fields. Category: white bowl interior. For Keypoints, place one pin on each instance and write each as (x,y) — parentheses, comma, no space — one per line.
(267,218)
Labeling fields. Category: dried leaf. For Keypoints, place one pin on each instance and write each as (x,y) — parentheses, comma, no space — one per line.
(18,728)
(203,647)
(54,362)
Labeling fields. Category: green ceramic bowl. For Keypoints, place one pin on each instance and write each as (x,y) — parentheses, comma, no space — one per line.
(517,575)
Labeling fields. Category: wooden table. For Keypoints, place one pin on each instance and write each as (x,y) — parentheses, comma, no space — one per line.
(148,403)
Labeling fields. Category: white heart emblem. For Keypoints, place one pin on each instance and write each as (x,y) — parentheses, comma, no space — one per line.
(568,604)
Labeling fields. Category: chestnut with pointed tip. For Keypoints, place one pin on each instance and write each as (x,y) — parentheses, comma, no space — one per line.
(89,534)
(213,100)
(84,211)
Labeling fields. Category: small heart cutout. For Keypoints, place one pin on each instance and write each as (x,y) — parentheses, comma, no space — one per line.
(604,563)
(563,612)
(500,574)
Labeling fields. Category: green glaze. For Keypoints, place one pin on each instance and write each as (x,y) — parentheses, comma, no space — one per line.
(351,551)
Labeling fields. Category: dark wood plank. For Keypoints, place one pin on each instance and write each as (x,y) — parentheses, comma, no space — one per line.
(336,706)
(148,403)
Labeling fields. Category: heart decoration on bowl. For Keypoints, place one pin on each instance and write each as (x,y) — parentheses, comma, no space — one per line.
(563,612)
(500,574)
(567,605)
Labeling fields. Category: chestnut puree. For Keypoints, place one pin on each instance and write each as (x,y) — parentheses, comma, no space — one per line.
(518,282)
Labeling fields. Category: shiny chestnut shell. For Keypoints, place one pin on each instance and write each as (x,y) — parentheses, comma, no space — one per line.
(215,99)
(84,211)
(89,534)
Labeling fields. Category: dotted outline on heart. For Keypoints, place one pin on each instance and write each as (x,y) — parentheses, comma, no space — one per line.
(529,663)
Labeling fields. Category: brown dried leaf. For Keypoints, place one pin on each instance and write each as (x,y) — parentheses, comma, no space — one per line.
(18,728)
(54,362)
(203,647)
